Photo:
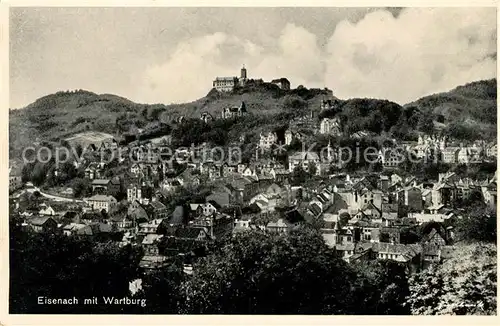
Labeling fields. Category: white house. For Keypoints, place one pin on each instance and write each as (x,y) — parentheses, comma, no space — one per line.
(267,140)
(330,126)
(102,202)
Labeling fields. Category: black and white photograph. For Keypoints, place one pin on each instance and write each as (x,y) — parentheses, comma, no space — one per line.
(251,160)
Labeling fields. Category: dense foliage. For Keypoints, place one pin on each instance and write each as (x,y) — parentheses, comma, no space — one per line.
(62,267)
(253,272)
(464,284)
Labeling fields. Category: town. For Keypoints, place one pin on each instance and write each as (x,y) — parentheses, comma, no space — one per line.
(363,214)
(268,161)
(172,201)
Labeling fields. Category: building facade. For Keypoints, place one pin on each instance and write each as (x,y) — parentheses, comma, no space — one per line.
(227,84)
(330,126)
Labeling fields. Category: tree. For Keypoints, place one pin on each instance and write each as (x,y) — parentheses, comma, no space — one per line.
(384,237)
(299,176)
(39,174)
(26,172)
(382,287)
(161,289)
(295,145)
(425,123)
(479,224)
(465,284)
(36,270)
(344,218)
(408,236)
(312,169)
(81,187)
(259,273)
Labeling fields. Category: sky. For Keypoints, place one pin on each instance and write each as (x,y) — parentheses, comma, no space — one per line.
(171,55)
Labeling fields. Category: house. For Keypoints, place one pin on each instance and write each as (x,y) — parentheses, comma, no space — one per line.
(100,228)
(47,210)
(450,154)
(305,160)
(210,208)
(408,254)
(241,167)
(340,238)
(434,238)
(466,155)
(390,157)
(282,83)
(102,202)
(221,198)
(191,233)
(267,140)
(123,223)
(15,180)
(44,224)
(492,150)
(249,171)
(279,226)
(242,224)
(426,217)
(106,186)
(178,215)
(152,258)
(411,197)
(489,192)
(213,170)
(135,192)
(372,211)
(443,193)
(235,111)
(137,211)
(195,209)
(136,168)
(291,135)
(94,170)
(157,210)
(172,185)
(150,244)
(335,207)
(330,126)
(152,227)
(228,169)
(77,229)
(361,194)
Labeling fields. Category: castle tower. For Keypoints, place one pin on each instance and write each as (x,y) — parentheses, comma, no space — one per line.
(243,74)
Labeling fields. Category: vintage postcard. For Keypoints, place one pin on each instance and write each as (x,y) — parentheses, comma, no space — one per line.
(259,161)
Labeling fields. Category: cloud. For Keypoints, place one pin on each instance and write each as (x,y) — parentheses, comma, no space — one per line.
(422,51)
(299,58)
(188,72)
(399,57)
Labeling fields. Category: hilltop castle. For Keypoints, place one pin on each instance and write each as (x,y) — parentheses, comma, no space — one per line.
(227,84)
